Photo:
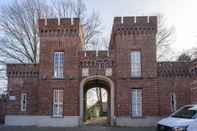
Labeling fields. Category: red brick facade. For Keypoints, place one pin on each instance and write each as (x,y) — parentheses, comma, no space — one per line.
(2,109)
(193,84)
(158,80)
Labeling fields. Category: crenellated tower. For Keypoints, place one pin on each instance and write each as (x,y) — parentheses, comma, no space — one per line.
(134,34)
(60,35)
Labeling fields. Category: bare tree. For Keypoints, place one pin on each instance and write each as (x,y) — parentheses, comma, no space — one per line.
(91,25)
(184,57)
(165,37)
(19,40)
(102,96)
(18,23)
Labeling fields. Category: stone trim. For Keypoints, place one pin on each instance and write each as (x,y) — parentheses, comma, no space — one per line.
(148,121)
(45,121)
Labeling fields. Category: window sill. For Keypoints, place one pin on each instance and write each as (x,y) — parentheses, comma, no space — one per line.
(54,78)
(139,117)
(136,78)
(57,116)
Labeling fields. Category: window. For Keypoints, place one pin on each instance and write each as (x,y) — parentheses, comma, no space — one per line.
(173,102)
(85,72)
(136,102)
(24,102)
(58,103)
(186,112)
(135,64)
(59,65)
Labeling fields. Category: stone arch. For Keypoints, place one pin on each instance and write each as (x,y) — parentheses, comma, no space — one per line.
(103,78)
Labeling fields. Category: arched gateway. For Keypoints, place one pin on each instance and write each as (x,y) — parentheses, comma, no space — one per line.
(110,87)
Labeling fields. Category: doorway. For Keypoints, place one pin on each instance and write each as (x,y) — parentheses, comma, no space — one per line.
(106,86)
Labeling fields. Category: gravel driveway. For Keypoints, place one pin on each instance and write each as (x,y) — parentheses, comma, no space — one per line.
(84,128)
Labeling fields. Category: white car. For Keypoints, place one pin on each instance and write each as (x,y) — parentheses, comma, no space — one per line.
(184,119)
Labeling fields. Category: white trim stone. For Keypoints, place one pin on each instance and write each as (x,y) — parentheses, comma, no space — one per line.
(147,121)
(45,121)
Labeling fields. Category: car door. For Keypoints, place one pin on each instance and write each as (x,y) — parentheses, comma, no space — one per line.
(193,126)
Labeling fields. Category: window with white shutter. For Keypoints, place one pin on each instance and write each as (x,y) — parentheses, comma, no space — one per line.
(58,102)
(136,102)
(135,64)
(59,65)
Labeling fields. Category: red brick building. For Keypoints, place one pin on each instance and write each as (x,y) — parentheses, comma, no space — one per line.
(140,89)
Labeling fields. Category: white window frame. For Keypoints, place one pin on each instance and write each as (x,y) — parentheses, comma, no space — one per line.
(23,102)
(136,102)
(135,59)
(58,96)
(58,64)
(173,102)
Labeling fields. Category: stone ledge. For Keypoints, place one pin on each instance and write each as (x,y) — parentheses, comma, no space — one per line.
(43,121)
(148,121)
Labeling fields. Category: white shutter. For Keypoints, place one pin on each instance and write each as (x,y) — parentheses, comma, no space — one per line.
(59,65)
(58,103)
(136,102)
(135,64)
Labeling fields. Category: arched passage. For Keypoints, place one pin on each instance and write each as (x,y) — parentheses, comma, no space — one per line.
(97,81)
(96,103)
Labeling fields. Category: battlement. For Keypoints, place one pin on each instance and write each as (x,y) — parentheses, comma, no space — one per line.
(135,25)
(136,20)
(173,69)
(59,27)
(95,59)
(23,71)
(93,54)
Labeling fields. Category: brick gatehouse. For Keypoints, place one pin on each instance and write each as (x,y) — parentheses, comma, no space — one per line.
(141,90)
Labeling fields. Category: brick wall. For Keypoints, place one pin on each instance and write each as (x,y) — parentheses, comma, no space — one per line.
(168,86)
(193,90)
(2,109)
(149,96)
(22,79)
(193,84)
(71,96)
(15,88)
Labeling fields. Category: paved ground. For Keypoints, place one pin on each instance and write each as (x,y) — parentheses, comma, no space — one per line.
(97,121)
(85,128)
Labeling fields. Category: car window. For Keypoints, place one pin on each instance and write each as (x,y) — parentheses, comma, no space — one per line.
(188,112)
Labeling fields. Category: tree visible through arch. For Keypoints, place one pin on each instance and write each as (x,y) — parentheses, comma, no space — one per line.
(110,87)
(97,110)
